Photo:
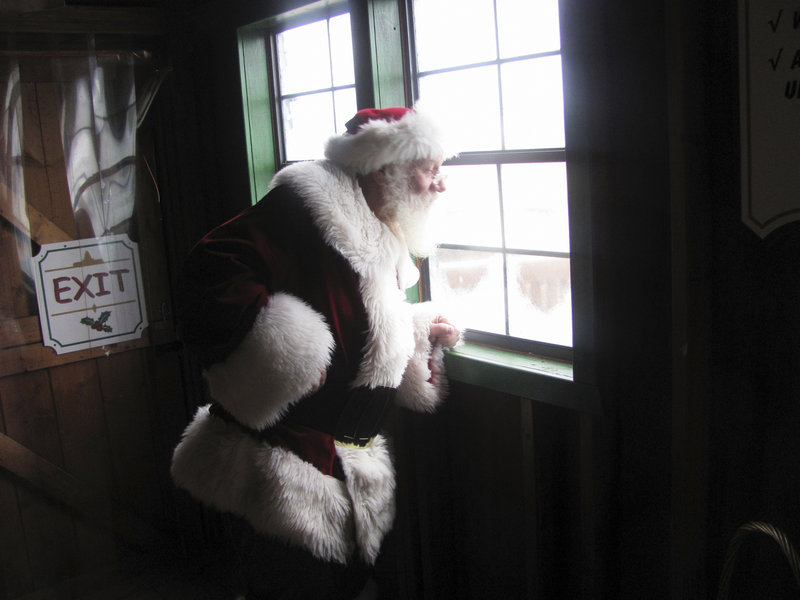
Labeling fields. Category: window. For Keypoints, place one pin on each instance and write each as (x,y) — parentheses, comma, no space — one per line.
(298,85)
(315,84)
(504,249)
(516,251)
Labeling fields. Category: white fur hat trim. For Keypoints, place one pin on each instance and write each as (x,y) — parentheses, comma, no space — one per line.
(384,140)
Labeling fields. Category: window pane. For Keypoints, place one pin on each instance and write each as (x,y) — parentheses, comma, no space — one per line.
(449,34)
(540,299)
(470,285)
(303,59)
(468,105)
(341,51)
(345,109)
(491,72)
(307,123)
(527,27)
(535,206)
(469,212)
(533,103)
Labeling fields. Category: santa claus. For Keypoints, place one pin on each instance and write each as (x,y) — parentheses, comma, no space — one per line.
(297,310)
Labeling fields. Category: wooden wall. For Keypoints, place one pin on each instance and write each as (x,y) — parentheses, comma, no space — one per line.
(84,436)
(488,501)
(755,414)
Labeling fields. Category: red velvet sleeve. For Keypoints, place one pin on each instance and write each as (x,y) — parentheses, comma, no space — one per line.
(226,279)
(274,246)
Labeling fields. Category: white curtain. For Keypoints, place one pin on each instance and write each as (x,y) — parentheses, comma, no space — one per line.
(12,181)
(98,131)
(11,156)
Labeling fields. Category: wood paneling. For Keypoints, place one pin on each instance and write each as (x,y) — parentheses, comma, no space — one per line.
(87,19)
(83,467)
(490,497)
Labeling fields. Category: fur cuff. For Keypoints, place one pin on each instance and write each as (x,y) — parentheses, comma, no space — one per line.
(424,383)
(279,361)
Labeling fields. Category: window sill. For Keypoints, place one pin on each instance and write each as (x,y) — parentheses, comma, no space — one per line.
(524,375)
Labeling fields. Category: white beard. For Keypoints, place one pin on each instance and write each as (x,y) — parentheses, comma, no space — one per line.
(413,219)
(409,215)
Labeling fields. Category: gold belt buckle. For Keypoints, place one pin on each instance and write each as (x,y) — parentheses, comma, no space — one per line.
(346,443)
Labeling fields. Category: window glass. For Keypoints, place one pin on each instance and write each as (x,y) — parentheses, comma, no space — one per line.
(473,119)
(533,103)
(527,27)
(469,213)
(304,120)
(539,299)
(344,103)
(535,206)
(303,58)
(449,33)
(341,51)
(463,280)
(316,84)
(494,79)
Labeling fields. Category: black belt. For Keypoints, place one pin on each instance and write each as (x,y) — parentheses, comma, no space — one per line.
(362,416)
(358,424)
(220,412)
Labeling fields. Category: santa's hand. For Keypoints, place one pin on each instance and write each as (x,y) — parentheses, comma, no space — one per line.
(443,332)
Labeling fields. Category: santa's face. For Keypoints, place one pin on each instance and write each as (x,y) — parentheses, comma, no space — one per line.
(426,176)
(409,193)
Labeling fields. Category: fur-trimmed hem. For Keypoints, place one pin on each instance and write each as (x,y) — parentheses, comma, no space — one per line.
(370,479)
(283,496)
(279,361)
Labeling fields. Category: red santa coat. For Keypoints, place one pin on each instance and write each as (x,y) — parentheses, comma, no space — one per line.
(306,282)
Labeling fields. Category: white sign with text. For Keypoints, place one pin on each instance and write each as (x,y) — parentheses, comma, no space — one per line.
(770,113)
(90,293)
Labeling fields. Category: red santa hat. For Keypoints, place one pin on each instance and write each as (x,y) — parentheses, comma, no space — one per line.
(377,137)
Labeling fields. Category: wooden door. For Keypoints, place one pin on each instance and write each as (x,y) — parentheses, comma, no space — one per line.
(85,437)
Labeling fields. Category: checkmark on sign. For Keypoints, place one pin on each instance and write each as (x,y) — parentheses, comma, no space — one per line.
(774,23)
(774,61)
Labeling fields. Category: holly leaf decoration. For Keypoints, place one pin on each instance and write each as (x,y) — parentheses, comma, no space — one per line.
(100,323)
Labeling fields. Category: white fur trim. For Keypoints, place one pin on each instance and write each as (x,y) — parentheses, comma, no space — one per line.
(424,384)
(279,361)
(349,226)
(407,272)
(211,462)
(297,503)
(378,143)
(370,479)
(277,492)
(285,497)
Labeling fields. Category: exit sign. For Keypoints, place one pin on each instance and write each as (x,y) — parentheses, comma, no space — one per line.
(90,293)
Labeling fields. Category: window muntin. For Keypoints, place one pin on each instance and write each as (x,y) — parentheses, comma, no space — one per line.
(506,271)
(445,37)
(504,253)
(315,84)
